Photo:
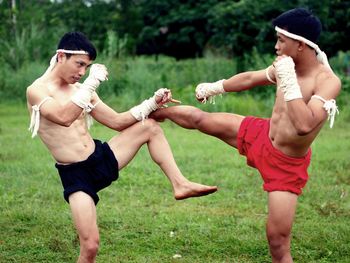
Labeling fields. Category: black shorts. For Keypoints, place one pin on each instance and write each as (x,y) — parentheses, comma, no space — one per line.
(98,171)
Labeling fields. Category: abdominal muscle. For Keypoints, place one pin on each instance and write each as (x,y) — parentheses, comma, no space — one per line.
(284,136)
(67,144)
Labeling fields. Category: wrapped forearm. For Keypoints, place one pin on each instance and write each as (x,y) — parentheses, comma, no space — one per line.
(141,111)
(82,96)
(288,79)
(204,91)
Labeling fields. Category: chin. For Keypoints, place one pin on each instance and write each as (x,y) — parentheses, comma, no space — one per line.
(73,81)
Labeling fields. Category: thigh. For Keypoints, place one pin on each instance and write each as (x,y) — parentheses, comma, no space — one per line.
(224,126)
(282,206)
(126,144)
(84,214)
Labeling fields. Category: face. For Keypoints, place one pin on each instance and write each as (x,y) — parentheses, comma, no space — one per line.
(74,67)
(285,45)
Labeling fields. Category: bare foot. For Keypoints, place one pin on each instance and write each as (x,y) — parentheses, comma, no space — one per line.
(191,189)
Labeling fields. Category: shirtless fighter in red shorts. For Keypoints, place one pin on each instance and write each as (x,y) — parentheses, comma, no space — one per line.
(278,147)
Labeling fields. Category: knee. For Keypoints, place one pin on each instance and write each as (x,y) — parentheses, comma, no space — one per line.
(279,242)
(152,126)
(197,116)
(89,247)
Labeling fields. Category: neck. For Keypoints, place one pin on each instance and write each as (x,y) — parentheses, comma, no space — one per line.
(55,78)
(306,62)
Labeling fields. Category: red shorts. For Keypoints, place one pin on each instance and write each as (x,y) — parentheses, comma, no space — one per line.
(279,171)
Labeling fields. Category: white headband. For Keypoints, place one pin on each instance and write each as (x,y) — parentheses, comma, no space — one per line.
(321,56)
(76,52)
(53,60)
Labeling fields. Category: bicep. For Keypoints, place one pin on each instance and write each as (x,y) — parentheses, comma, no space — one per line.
(37,98)
(318,113)
(323,103)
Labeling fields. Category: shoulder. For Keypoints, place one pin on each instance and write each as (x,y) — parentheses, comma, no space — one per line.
(36,92)
(38,84)
(327,83)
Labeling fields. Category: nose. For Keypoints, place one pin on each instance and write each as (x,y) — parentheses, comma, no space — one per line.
(82,71)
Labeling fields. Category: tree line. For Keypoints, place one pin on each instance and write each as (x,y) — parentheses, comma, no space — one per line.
(30,29)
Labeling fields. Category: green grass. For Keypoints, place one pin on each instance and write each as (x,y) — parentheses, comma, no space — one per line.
(137,213)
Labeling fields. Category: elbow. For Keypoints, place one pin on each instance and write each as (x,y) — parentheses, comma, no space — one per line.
(61,120)
(305,127)
(66,123)
(302,133)
(303,130)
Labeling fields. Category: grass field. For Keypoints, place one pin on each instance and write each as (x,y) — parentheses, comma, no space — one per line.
(139,219)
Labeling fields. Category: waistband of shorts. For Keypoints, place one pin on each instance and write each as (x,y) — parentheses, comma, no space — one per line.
(282,155)
(89,161)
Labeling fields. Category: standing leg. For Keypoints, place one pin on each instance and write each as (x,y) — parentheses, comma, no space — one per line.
(224,126)
(282,206)
(129,141)
(84,216)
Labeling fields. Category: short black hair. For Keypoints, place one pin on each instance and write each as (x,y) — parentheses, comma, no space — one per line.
(77,41)
(300,21)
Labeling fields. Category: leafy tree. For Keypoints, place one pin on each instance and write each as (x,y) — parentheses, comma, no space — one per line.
(174,28)
(232,28)
(183,29)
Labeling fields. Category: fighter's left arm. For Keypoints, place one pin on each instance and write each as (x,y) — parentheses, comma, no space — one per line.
(119,121)
(306,116)
(109,117)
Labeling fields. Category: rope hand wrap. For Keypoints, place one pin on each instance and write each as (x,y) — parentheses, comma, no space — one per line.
(205,91)
(82,96)
(330,107)
(35,119)
(141,111)
(288,79)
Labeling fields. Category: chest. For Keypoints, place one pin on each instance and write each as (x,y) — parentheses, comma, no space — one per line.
(62,94)
(307,87)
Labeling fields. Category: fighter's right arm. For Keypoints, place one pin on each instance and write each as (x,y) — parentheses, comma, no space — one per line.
(66,112)
(82,97)
(246,80)
(52,110)
(239,82)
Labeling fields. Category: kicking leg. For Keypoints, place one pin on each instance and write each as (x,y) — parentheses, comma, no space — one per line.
(224,126)
(126,145)
(84,217)
(282,206)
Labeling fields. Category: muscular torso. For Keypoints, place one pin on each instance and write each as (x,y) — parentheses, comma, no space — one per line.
(283,134)
(66,144)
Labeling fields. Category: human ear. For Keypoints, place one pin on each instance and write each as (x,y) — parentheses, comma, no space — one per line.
(60,57)
(301,46)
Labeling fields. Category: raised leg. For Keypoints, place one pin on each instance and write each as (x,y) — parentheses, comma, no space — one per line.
(282,206)
(126,145)
(224,126)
